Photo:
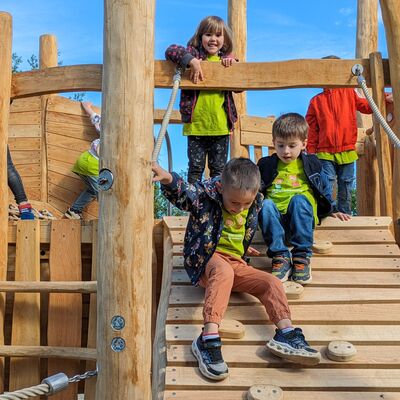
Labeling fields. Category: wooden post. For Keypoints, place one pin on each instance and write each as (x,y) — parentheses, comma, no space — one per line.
(391,19)
(5,91)
(367,166)
(126,210)
(382,140)
(48,57)
(237,20)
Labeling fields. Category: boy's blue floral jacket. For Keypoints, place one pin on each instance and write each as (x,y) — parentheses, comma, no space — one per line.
(204,228)
(182,56)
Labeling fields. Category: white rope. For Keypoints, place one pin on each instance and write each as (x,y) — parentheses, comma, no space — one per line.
(157,147)
(33,391)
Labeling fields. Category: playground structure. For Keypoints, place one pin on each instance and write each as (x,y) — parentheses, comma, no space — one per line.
(123,257)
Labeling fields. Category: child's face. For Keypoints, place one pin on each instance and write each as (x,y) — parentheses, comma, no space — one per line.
(235,200)
(289,150)
(212,42)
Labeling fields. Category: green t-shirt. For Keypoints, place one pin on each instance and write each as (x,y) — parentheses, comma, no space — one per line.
(291,180)
(344,157)
(231,241)
(209,116)
(86,164)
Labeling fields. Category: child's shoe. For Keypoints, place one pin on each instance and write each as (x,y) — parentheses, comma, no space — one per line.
(209,357)
(281,267)
(26,212)
(70,214)
(301,270)
(292,346)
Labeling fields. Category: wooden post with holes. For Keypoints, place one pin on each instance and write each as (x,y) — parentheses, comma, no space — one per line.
(48,57)
(237,20)
(125,228)
(5,91)
(391,19)
(367,166)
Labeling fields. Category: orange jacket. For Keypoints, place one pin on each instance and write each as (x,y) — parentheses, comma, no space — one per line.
(332,119)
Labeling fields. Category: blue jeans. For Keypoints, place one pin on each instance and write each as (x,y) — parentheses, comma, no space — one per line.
(15,181)
(344,175)
(295,227)
(89,194)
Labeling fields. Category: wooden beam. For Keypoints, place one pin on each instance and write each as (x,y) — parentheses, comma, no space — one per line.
(126,211)
(367,167)
(237,20)
(5,90)
(72,353)
(382,140)
(48,287)
(391,18)
(241,76)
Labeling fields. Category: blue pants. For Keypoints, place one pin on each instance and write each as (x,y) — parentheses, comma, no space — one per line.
(15,181)
(344,174)
(295,227)
(89,194)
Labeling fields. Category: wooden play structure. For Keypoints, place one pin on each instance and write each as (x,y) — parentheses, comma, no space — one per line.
(113,290)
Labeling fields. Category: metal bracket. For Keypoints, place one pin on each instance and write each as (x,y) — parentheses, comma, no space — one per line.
(106,179)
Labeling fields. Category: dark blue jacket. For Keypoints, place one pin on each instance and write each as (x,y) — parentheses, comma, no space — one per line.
(313,170)
(204,228)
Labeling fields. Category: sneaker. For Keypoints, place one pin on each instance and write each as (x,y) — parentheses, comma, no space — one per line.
(209,357)
(292,346)
(72,214)
(301,270)
(281,267)
(26,212)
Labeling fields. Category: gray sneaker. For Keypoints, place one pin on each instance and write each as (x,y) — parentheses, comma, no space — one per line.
(72,214)
(209,357)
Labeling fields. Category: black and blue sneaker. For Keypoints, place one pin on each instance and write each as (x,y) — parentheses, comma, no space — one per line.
(209,357)
(292,346)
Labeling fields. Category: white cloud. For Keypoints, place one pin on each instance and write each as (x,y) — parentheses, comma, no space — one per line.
(346,11)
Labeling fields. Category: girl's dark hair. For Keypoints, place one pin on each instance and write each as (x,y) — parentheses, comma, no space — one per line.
(213,24)
(241,173)
(290,125)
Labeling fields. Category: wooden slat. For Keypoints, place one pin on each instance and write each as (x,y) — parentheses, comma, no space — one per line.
(301,314)
(75,131)
(59,153)
(23,131)
(48,287)
(67,142)
(71,119)
(25,372)
(28,104)
(65,310)
(242,378)
(188,295)
(71,353)
(315,333)
(26,157)
(63,105)
(25,118)
(61,167)
(73,184)
(29,170)
(25,144)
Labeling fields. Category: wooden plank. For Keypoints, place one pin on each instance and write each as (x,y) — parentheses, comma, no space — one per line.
(24,157)
(63,105)
(301,314)
(174,119)
(342,250)
(65,310)
(71,119)
(28,104)
(61,167)
(26,144)
(329,263)
(73,184)
(59,153)
(28,170)
(19,131)
(25,371)
(369,279)
(187,295)
(257,356)
(75,131)
(48,287)
(67,142)
(71,353)
(262,125)
(316,334)
(242,378)
(25,118)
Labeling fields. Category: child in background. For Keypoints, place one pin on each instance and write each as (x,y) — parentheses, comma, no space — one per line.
(87,168)
(222,222)
(332,136)
(17,188)
(296,198)
(209,115)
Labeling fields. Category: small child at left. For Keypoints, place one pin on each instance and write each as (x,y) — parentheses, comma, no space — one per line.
(208,115)
(87,168)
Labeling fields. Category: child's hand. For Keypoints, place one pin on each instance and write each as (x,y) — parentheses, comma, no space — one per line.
(228,61)
(341,216)
(251,251)
(161,175)
(196,73)
(389,97)
(86,104)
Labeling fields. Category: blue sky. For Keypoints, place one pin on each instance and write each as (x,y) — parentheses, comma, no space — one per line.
(276,31)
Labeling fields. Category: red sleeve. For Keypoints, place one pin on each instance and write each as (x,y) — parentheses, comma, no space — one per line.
(313,130)
(362,104)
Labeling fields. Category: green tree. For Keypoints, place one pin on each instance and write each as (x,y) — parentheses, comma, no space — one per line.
(16,62)
(161,204)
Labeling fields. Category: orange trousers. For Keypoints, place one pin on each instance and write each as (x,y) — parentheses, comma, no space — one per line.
(225,274)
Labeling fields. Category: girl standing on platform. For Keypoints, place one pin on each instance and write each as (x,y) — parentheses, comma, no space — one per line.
(209,115)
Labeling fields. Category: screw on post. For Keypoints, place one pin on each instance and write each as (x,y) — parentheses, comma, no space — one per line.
(357,69)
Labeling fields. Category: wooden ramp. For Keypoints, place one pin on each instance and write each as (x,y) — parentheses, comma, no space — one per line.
(354,296)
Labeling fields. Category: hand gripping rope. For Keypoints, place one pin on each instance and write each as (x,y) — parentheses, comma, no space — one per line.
(157,147)
(357,70)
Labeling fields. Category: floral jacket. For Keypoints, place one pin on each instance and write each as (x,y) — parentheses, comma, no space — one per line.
(182,56)
(204,228)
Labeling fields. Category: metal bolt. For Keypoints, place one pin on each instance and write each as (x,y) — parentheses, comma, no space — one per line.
(117,322)
(106,179)
(357,69)
(118,344)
